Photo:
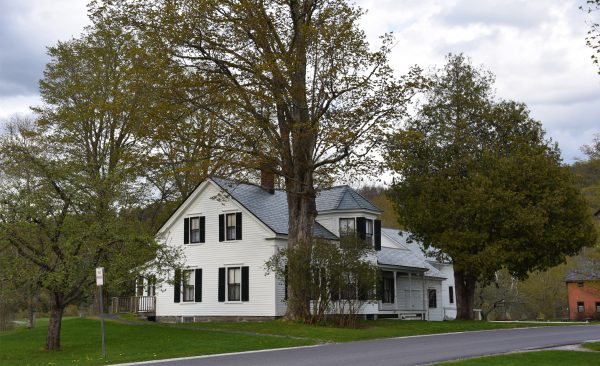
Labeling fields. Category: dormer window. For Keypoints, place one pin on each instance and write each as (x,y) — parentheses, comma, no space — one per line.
(347,227)
(369,231)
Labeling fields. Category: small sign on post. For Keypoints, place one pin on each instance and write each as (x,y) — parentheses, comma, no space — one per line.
(99,276)
(100,283)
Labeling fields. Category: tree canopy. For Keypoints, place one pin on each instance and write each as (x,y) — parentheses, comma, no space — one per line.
(480,182)
(294,85)
(71,179)
(593,36)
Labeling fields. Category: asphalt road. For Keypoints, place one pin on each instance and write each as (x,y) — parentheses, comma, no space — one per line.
(405,351)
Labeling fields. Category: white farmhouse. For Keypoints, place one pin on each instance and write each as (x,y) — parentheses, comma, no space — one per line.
(228,231)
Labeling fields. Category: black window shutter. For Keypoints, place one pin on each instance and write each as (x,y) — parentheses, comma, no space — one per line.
(202,229)
(221,284)
(186,230)
(177,285)
(377,234)
(238,226)
(221,227)
(198,285)
(245,283)
(361,227)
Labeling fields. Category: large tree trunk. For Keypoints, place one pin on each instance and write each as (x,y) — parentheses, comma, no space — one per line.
(465,294)
(56,313)
(301,213)
(300,136)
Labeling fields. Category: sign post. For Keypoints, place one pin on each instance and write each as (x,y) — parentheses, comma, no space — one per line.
(100,283)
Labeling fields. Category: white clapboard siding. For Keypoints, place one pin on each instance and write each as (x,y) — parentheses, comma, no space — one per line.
(437,313)
(449,308)
(255,248)
(280,300)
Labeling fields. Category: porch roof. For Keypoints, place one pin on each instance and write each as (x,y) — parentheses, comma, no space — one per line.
(406,259)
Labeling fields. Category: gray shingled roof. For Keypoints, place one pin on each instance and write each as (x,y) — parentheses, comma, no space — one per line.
(271,209)
(588,270)
(405,258)
(343,198)
(401,238)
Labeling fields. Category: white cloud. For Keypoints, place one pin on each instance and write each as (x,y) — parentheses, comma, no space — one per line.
(19,104)
(536,49)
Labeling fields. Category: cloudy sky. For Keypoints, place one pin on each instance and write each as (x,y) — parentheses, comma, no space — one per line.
(536,48)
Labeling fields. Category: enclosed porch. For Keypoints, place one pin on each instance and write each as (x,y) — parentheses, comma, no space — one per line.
(410,288)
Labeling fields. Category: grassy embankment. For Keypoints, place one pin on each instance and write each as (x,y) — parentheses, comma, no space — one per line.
(149,341)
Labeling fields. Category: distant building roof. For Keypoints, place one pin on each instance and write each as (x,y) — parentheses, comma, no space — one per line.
(587,270)
(405,258)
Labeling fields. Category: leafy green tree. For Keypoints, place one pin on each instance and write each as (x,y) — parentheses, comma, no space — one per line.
(71,180)
(593,36)
(588,173)
(378,195)
(480,182)
(294,84)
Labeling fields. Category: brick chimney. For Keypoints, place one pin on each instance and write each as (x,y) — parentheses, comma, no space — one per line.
(267,179)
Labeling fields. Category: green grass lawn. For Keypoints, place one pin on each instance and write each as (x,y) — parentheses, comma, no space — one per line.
(370,329)
(541,358)
(148,341)
(594,346)
(81,343)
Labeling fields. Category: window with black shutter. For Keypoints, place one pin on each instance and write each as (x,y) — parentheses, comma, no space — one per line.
(194,229)
(234,284)
(188,285)
(230,226)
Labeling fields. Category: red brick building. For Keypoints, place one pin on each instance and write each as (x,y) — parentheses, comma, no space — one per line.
(583,288)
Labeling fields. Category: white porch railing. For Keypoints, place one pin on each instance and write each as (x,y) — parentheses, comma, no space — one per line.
(133,304)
